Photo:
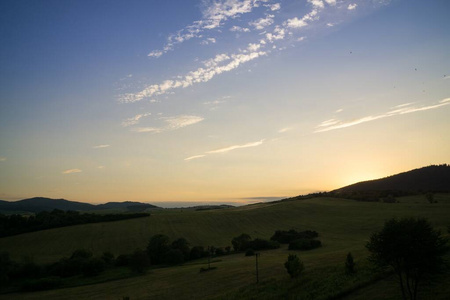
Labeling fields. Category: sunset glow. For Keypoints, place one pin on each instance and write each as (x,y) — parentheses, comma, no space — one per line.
(227,101)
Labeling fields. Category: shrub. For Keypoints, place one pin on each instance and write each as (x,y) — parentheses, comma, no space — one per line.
(349,264)
(294,266)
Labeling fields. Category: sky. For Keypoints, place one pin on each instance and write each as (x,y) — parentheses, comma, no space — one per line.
(218,101)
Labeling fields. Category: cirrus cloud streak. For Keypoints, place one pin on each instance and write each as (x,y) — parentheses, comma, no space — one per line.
(71,171)
(401,109)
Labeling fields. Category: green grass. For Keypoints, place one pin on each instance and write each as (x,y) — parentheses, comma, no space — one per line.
(343,225)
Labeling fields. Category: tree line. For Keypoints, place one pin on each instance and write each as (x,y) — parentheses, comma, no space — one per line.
(160,251)
(17,224)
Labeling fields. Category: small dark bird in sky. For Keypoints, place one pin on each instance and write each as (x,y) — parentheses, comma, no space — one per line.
(415,69)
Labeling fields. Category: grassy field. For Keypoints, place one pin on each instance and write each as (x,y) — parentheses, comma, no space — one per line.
(343,225)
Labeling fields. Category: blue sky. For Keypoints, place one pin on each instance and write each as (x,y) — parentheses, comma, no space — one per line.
(218,101)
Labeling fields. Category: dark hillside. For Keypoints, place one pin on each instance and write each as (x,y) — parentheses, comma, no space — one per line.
(39,204)
(426,179)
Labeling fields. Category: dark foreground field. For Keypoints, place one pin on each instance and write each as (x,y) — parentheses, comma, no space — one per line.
(343,225)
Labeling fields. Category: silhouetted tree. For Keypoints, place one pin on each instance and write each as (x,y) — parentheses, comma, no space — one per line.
(294,266)
(412,248)
(349,264)
(240,243)
(157,248)
(174,257)
(182,245)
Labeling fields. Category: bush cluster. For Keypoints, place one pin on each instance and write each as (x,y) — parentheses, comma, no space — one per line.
(244,242)
(303,240)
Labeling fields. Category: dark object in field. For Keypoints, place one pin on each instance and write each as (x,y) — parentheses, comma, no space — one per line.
(304,244)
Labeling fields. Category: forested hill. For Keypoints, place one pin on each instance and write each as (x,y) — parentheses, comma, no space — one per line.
(435,178)
(38,204)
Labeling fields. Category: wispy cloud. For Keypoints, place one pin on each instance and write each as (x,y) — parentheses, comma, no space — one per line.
(286,129)
(212,67)
(171,123)
(273,7)
(234,147)
(261,23)
(302,22)
(101,146)
(2,158)
(177,122)
(134,120)
(70,171)
(194,157)
(208,41)
(147,130)
(403,105)
(227,149)
(239,29)
(352,6)
(214,16)
(402,109)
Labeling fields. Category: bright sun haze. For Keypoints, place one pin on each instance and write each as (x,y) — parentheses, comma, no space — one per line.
(218,101)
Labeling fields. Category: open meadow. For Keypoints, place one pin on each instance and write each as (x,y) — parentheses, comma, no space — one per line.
(343,226)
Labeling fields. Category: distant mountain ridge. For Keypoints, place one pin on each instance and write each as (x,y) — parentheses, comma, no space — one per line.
(434,178)
(38,204)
